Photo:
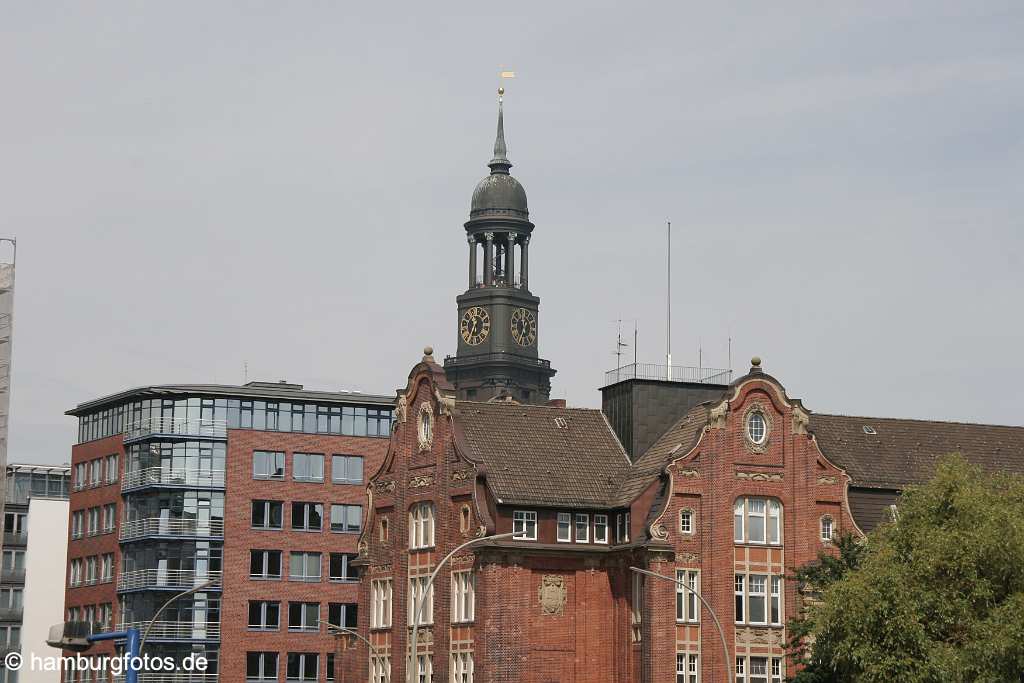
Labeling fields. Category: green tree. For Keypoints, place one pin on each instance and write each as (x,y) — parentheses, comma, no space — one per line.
(937,595)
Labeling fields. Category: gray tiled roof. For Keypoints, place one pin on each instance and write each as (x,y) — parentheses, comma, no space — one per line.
(531,459)
(674,443)
(903,452)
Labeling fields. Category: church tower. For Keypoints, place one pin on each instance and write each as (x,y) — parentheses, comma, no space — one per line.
(498,321)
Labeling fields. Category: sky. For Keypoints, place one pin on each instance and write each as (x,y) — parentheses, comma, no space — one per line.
(214,191)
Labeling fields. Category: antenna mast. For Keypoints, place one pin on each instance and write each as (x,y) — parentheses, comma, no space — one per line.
(668,306)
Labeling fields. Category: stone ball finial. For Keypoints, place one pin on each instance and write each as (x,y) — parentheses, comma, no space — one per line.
(756,361)
(428,350)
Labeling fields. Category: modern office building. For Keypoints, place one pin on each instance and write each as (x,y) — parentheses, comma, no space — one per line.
(35,515)
(253,495)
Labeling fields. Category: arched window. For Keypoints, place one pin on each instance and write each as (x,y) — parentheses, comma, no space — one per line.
(757,520)
(421,525)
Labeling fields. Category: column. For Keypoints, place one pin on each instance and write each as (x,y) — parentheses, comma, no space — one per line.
(472,260)
(524,266)
(489,259)
(511,265)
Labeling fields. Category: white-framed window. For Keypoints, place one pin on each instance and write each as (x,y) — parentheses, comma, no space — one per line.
(564,527)
(302,667)
(107,567)
(268,464)
(636,608)
(462,667)
(421,525)
(111,465)
(741,670)
(76,574)
(741,598)
(265,564)
(757,599)
(380,669)
(687,668)
(419,592)
(524,525)
(758,670)
(77,524)
(600,528)
(303,616)
(380,606)
(346,519)
(94,521)
(308,467)
(686,521)
(757,521)
(777,671)
(754,603)
(463,596)
(264,615)
(582,528)
(109,517)
(687,609)
(347,469)
(97,472)
(260,667)
(424,669)
(776,600)
(304,566)
(757,427)
(622,527)
(91,573)
(826,529)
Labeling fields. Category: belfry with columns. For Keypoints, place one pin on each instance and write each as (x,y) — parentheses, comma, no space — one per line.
(498,316)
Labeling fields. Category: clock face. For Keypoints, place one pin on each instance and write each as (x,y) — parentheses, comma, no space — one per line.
(475,325)
(524,327)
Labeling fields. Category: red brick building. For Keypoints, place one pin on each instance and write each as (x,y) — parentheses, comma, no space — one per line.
(258,489)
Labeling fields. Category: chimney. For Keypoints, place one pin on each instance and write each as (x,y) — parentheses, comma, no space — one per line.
(556,403)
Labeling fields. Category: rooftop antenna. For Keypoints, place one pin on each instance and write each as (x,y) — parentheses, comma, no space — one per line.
(730,354)
(619,345)
(634,345)
(245,372)
(700,353)
(668,306)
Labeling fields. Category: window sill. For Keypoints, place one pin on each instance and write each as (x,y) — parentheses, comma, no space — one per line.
(335,579)
(308,531)
(300,579)
(307,481)
(267,528)
(264,578)
(346,482)
(346,531)
(303,629)
(264,629)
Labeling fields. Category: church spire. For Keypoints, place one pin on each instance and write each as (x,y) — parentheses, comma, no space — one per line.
(500,162)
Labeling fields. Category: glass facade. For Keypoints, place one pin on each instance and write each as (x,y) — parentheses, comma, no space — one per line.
(238,413)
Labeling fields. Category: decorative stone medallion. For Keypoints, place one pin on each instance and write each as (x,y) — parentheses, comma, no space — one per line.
(552,595)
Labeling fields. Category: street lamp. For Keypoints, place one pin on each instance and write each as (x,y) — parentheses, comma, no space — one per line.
(721,632)
(190,591)
(418,608)
(338,631)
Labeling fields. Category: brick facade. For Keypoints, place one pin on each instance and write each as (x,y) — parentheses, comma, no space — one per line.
(548,610)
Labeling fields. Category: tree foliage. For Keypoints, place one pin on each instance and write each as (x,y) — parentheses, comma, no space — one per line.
(937,595)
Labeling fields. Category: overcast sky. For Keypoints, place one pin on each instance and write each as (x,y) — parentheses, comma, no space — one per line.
(197,186)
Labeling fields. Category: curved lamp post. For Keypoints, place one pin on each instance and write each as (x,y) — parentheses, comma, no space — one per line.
(418,609)
(721,632)
(183,594)
(338,631)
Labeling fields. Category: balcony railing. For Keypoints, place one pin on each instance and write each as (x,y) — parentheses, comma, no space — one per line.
(11,613)
(177,427)
(13,538)
(175,630)
(12,575)
(177,528)
(160,579)
(160,476)
(666,373)
(175,677)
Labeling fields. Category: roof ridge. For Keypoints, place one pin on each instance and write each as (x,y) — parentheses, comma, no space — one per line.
(916,419)
(528,405)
